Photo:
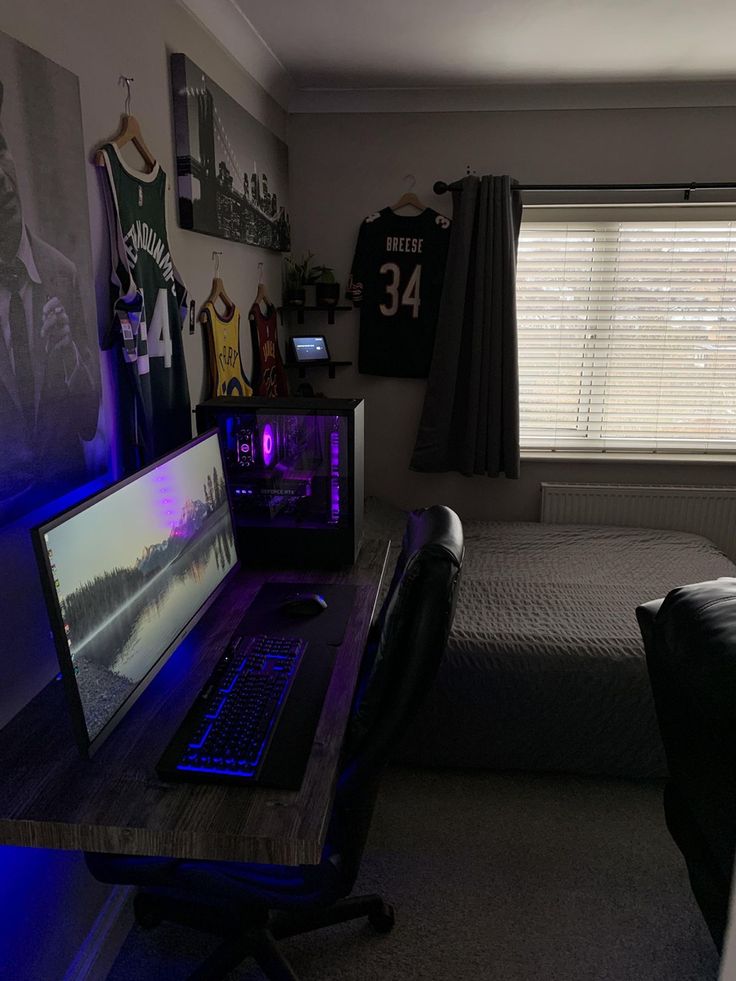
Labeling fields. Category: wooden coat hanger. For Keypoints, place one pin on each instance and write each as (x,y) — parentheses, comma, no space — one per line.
(408,198)
(130,132)
(261,294)
(218,291)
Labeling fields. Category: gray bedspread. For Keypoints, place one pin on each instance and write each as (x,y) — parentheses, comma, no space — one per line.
(545,667)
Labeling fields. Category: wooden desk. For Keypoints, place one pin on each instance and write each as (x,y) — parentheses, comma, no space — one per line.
(52,798)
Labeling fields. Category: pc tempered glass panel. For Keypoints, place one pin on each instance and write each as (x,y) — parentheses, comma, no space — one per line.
(288,470)
(134,567)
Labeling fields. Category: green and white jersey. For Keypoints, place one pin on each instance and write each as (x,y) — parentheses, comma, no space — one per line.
(149,304)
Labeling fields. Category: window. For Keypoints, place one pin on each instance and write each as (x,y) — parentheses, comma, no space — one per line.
(627,334)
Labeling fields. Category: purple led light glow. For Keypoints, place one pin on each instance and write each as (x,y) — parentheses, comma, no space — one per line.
(335,475)
(267,444)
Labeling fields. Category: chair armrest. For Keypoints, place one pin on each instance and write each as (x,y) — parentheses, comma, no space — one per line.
(691,657)
(645,614)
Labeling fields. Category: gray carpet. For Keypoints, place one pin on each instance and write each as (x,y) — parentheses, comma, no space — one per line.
(497,877)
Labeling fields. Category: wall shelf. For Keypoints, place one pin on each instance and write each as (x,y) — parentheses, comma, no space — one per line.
(300,311)
(330,365)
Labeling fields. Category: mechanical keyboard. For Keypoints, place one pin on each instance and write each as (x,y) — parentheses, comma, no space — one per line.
(231,729)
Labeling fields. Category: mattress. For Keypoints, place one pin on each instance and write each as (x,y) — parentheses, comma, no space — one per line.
(545,667)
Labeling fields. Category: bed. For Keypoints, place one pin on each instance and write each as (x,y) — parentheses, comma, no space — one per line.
(545,668)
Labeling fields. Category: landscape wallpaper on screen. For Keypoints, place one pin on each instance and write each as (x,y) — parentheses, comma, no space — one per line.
(134,568)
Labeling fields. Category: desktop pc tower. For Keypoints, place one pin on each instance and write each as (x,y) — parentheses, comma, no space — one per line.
(294,469)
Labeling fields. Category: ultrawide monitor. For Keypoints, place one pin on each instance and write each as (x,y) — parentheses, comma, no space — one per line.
(126,575)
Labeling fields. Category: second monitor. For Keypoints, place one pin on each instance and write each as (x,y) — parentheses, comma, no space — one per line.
(309,349)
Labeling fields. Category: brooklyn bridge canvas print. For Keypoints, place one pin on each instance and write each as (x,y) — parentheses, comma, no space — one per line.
(232,172)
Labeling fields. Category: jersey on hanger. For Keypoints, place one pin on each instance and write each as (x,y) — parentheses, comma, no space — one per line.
(269,374)
(396,279)
(226,373)
(153,409)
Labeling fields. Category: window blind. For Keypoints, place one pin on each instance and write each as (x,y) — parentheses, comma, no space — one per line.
(627,335)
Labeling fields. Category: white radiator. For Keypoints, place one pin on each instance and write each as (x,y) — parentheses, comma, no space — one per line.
(707,511)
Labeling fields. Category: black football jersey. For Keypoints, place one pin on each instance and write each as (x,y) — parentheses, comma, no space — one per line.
(396,280)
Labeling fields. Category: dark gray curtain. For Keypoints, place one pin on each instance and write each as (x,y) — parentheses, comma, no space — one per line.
(470,419)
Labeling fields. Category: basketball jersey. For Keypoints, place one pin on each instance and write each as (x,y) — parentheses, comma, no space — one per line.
(396,280)
(269,374)
(149,302)
(226,373)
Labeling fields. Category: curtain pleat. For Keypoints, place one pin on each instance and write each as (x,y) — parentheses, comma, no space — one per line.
(470,418)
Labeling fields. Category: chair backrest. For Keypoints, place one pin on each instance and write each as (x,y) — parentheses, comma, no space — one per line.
(690,644)
(414,622)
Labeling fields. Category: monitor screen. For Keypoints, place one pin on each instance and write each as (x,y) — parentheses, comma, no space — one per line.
(312,348)
(126,574)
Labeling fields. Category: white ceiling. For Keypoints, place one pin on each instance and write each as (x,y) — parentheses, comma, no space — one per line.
(359,46)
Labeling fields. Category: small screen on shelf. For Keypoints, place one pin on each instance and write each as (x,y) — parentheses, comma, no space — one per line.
(310,348)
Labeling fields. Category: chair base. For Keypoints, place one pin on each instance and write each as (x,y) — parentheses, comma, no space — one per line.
(253,932)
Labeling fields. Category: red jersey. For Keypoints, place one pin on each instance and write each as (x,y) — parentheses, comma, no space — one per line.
(269,374)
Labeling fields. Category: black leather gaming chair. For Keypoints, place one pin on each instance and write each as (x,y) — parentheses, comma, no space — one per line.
(690,642)
(251,906)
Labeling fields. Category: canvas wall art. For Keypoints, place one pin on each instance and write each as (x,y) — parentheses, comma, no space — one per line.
(50,440)
(232,171)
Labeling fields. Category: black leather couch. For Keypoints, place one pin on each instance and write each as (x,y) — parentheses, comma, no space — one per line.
(690,642)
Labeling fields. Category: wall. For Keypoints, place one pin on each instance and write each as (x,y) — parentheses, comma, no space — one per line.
(98,42)
(92,41)
(345,166)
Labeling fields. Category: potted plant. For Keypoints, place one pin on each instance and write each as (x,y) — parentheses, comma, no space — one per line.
(297,275)
(327,291)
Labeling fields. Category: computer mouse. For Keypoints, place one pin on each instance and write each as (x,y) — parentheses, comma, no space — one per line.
(304,604)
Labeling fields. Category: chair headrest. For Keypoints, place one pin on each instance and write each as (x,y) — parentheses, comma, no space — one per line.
(437,527)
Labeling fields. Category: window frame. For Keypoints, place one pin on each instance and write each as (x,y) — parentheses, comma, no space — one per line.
(596,446)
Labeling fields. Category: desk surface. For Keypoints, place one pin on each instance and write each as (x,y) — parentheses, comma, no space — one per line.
(52,798)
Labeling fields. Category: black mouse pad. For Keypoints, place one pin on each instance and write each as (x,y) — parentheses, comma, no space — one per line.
(266,616)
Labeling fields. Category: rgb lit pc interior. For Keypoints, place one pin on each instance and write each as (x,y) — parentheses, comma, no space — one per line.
(294,469)
(126,574)
(286,468)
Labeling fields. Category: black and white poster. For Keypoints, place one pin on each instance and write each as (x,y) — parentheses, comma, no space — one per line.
(232,171)
(50,442)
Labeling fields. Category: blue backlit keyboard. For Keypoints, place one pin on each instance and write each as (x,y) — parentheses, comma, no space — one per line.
(229,731)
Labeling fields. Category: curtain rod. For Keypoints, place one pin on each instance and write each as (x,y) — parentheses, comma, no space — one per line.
(441,187)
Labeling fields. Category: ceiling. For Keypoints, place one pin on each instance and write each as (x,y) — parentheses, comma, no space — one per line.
(359,46)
